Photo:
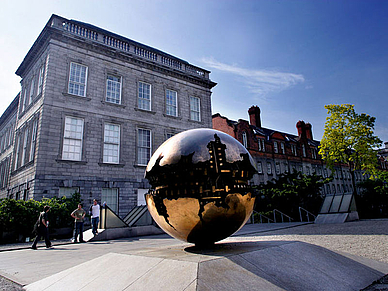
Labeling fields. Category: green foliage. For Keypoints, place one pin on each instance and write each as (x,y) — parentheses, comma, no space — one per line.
(372,200)
(290,192)
(349,139)
(19,216)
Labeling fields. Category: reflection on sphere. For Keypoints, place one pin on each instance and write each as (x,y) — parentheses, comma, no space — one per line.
(200,191)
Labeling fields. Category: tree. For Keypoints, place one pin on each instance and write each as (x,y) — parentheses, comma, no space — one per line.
(349,139)
(290,191)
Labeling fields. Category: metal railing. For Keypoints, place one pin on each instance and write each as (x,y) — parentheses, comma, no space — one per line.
(261,217)
(307,213)
(282,215)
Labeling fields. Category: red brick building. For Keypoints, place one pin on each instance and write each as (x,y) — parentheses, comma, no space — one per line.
(277,152)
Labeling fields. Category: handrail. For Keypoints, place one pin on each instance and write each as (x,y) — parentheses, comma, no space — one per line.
(281,214)
(307,214)
(269,220)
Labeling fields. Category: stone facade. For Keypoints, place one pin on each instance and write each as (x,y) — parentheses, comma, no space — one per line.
(277,152)
(89,99)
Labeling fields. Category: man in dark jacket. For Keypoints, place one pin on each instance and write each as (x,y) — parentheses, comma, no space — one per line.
(41,228)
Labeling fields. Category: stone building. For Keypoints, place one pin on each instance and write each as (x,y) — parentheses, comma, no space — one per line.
(277,152)
(93,108)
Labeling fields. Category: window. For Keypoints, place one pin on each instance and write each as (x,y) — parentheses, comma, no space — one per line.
(33,139)
(40,80)
(275,147)
(277,168)
(111,143)
(314,154)
(67,191)
(269,169)
(307,170)
(333,187)
(195,109)
(17,151)
(77,79)
(261,145)
(259,167)
(72,140)
(171,103)
(304,150)
(24,150)
(328,189)
(169,135)
(143,146)
(24,100)
(113,89)
(144,96)
(244,139)
(283,148)
(110,197)
(31,91)
(293,149)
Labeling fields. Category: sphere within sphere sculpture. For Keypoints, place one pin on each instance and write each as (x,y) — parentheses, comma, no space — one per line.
(200,192)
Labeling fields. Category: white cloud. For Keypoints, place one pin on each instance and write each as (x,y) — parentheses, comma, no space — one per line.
(260,82)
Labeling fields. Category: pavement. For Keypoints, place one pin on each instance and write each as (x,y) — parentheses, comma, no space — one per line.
(286,256)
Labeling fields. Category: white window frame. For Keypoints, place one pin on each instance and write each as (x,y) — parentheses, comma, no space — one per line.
(275,147)
(40,80)
(259,167)
(73,139)
(282,147)
(269,168)
(113,88)
(111,149)
(33,139)
(277,168)
(110,196)
(142,148)
(195,108)
(171,103)
(140,96)
(24,101)
(244,139)
(303,150)
(77,83)
(32,85)
(17,153)
(25,143)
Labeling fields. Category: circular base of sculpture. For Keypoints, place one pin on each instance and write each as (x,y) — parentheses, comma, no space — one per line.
(201,221)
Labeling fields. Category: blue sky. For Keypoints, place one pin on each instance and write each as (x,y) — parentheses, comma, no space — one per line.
(288,57)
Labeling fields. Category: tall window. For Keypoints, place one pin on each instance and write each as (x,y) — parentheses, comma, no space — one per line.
(72,140)
(111,143)
(31,91)
(77,79)
(33,140)
(195,108)
(143,146)
(244,139)
(171,103)
(40,80)
(113,89)
(144,96)
(24,100)
(282,148)
(269,169)
(277,168)
(110,197)
(259,168)
(18,141)
(303,150)
(275,147)
(293,149)
(261,145)
(25,142)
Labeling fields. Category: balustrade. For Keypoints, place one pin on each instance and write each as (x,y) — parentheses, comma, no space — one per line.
(127,47)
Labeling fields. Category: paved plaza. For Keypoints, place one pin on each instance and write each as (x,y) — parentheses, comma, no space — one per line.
(310,252)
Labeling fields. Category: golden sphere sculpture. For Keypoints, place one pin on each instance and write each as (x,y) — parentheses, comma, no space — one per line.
(200,191)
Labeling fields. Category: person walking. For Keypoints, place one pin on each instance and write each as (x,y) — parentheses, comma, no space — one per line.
(95,214)
(78,215)
(41,228)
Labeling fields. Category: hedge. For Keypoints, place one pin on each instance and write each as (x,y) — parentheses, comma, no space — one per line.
(18,217)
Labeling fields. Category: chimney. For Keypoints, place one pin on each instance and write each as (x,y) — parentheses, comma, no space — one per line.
(254,116)
(301,126)
(309,132)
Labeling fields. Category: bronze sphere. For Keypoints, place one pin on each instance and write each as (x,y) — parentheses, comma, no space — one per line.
(200,191)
